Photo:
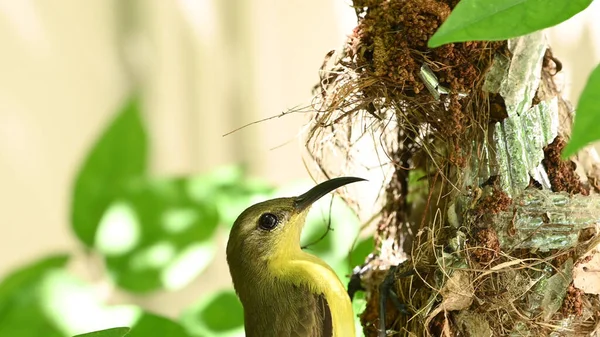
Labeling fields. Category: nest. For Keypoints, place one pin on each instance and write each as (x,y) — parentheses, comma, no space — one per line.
(416,121)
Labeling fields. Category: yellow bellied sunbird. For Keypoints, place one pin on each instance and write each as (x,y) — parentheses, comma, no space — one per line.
(284,290)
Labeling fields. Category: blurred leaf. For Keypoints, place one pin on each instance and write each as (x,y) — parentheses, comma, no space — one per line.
(223,313)
(229,190)
(156,236)
(154,325)
(42,299)
(219,314)
(21,314)
(119,155)
(337,243)
(76,307)
(586,128)
(28,276)
(148,325)
(202,187)
(418,186)
(114,332)
(476,20)
(361,250)
(359,304)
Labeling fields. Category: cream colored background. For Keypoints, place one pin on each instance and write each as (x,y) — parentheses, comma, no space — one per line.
(205,67)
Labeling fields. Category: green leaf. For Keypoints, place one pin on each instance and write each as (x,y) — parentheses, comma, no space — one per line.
(76,307)
(21,312)
(219,314)
(229,190)
(586,128)
(156,236)
(154,325)
(337,243)
(114,332)
(119,155)
(359,304)
(147,325)
(28,275)
(42,299)
(361,250)
(223,313)
(475,20)
(158,233)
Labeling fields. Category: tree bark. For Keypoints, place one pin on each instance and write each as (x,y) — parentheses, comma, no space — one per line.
(492,232)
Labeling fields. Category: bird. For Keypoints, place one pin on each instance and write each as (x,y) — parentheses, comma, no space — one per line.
(284,290)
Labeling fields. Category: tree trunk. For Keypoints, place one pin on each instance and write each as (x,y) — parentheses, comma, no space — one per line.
(492,232)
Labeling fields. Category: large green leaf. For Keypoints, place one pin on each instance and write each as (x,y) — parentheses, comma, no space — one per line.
(158,232)
(147,325)
(76,307)
(154,325)
(28,275)
(361,250)
(359,304)
(230,190)
(474,20)
(21,312)
(219,314)
(119,155)
(586,128)
(156,235)
(42,299)
(332,246)
(114,332)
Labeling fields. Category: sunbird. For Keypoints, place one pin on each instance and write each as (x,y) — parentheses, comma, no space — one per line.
(284,290)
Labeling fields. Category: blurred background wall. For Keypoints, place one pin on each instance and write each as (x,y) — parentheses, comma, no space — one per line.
(203,68)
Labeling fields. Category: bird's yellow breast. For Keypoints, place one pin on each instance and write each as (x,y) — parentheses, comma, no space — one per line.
(303,269)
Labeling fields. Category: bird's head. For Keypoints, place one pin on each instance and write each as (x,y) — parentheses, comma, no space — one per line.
(271,229)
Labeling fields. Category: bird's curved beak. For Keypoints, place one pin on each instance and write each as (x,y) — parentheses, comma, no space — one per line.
(302,202)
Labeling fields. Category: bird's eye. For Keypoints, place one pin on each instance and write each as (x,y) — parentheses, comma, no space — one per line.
(268,221)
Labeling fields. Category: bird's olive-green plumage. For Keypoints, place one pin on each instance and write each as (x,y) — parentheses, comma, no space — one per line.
(285,291)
